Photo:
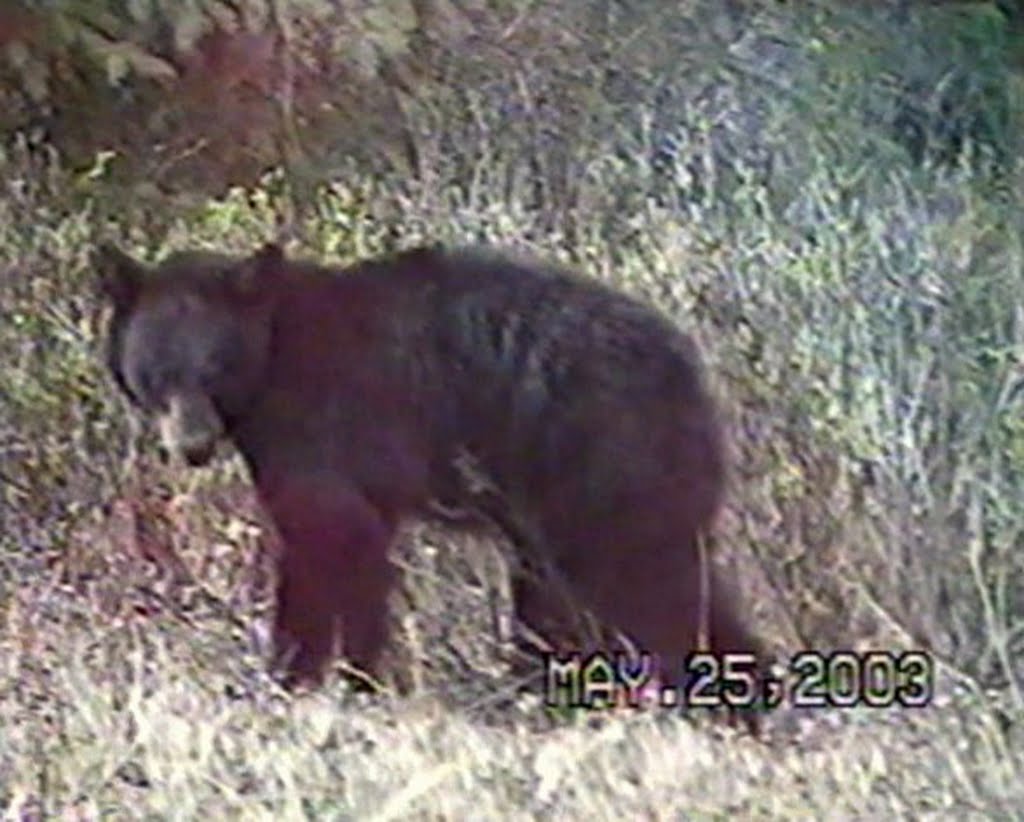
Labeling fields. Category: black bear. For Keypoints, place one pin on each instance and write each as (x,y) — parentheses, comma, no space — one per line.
(357,398)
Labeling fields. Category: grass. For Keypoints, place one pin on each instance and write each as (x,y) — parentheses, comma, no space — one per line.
(861,316)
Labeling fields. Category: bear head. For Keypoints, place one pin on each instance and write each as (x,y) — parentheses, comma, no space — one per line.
(188,341)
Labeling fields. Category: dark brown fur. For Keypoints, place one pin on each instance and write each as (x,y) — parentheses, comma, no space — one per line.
(353,394)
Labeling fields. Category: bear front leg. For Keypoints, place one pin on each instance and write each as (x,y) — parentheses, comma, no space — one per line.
(334,577)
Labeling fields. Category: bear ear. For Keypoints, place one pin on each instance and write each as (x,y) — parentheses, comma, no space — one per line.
(424,253)
(269,255)
(258,268)
(118,276)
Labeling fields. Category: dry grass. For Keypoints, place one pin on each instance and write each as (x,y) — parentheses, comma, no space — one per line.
(146,716)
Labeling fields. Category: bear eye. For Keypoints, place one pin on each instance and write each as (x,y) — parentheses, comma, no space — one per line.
(210,379)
